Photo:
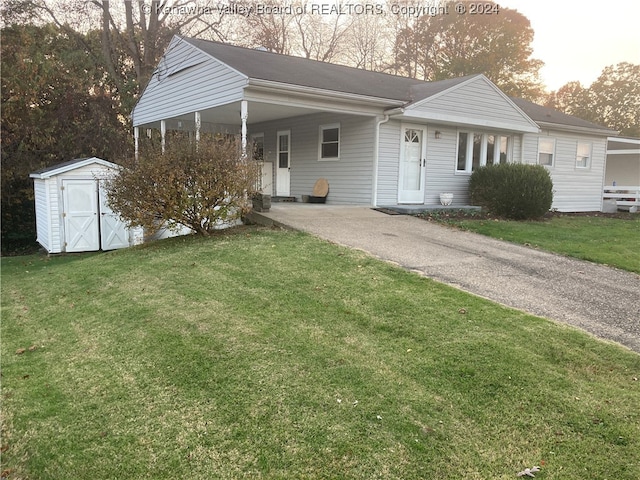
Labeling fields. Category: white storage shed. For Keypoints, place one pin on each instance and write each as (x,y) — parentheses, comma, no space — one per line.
(72,214)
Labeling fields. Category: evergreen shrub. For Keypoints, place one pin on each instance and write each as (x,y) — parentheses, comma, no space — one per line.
(512,190)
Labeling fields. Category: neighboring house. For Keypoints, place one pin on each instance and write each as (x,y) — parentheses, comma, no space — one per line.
(72,213)
(378,139)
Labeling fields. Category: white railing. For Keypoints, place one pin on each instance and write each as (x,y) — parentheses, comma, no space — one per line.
(625,196)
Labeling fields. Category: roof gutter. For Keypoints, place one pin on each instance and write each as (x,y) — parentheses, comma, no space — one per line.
(605,132)
(280,87)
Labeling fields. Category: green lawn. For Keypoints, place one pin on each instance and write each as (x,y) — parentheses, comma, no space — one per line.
(600,239)
(272,354)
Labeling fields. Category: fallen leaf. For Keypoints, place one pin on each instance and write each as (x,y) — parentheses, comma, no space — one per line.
(529,472)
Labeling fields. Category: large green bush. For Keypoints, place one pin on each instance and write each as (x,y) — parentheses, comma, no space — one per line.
(512,190)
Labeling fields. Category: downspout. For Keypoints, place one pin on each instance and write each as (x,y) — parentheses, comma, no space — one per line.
(376,156)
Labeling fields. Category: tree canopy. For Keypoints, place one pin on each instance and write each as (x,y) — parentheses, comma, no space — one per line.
(497,44)
(613,100)
(57,104)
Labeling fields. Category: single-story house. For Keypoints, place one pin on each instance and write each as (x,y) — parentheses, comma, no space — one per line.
(378,139)
(72,212)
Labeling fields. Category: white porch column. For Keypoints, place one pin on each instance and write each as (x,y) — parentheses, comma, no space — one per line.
(136,138)
(163,133)
(244,114)
(198,125)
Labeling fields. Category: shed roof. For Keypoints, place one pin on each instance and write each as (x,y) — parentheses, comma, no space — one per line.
(69,165)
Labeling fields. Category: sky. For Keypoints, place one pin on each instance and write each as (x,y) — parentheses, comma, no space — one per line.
(577,39)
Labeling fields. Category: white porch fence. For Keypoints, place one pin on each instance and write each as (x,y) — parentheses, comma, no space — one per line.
(625,196)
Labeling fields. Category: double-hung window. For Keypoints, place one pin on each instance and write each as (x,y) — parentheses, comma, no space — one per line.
(583,155)
(329,148)
(546,151)
(479,149)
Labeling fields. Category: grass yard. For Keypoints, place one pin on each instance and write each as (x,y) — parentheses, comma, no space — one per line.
(608,240)
(271,355)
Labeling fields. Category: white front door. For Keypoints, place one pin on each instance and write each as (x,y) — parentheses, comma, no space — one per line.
(113,231)
(413,155)
(283,175)
(80,215)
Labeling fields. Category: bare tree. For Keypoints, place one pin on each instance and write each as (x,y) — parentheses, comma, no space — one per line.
(270,31)
(370,43)
(321,37)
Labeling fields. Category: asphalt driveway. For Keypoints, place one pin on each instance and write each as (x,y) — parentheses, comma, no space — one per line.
(601,300)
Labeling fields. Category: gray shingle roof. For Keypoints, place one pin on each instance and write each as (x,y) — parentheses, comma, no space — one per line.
(59,165)
(540,114)
(263,65)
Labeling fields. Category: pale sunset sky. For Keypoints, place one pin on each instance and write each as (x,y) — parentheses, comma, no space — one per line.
(578,39)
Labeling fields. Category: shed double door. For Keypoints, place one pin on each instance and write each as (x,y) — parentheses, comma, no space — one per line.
(89,223)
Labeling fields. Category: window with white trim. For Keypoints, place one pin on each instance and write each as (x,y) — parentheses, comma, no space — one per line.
(284,146)
(583,155)
(546,151)
(479,149)
(329,148)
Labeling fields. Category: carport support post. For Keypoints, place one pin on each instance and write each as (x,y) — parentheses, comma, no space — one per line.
(244,114)
(136,138)
(198,125)
(163,133)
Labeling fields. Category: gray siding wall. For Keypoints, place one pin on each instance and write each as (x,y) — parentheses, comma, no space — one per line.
(187,81)
(388,163)
(441,175)
(575,189)
(441,164)
(476,101)
(350,178)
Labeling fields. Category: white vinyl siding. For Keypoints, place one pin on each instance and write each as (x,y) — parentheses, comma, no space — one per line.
(350,179)
(186,80)
(476,102)
(43,222)
(388,163)
(439,175)
(574,189)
